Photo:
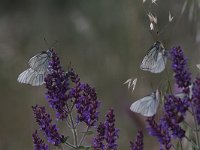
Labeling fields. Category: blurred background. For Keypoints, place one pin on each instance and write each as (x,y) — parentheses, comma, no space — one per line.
(105,41)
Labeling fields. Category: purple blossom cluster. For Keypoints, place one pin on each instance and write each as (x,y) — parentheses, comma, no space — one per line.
(59,92)
(107,134)
(138,144)
(156,129)
(57,85)
(98,140)
(45,122)
(38,143)
(180,68)
(196,99)
(85,99)
(87,105)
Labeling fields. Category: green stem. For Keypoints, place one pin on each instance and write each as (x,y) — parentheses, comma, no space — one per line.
(191,128)
(70,145)
(196,128)
(74,132)
(84,135)
(181,144)
(193,144)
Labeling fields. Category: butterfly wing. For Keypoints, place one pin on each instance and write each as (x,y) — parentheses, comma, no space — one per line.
(31,77)
(149,60)
(146,106)
(155,59)
(159,63)
(40,62)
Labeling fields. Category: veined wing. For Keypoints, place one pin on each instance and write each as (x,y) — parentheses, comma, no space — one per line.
(31,77)
(146,106)
(155,59)
(40,62)
(149,60)
(159,63)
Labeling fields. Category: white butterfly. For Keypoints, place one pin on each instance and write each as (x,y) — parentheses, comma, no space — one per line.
(147,106)
(38,69)
(155,60)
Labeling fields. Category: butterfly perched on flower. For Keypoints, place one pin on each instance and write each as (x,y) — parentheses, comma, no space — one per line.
(38,69)
(156,58)
(147,106)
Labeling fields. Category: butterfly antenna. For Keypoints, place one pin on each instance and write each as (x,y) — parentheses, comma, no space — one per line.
(69,65)
(45,41)
(47,44)
(52,45)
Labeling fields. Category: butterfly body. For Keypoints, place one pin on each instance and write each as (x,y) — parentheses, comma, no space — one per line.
(156,58)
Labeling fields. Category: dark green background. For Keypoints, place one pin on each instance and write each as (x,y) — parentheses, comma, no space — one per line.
(105,41)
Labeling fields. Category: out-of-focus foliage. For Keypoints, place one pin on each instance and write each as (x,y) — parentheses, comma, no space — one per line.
(105,42)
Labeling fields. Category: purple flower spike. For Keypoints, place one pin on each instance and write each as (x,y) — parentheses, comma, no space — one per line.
(111,133)
(44,121)
(138,145)
(175,108)
(85,99)
(179,66)
(57,85)
(76,91)
(158,131)
(196,99)
(98,140)
(87,106)
(38,143)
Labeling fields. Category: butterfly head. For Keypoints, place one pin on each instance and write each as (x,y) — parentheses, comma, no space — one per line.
(49,52)
(159,45)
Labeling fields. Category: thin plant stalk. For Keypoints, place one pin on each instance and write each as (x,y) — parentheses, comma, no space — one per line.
(70,145)
(196,128)
(84,135)
(191,142)
(74,132)
(181,144)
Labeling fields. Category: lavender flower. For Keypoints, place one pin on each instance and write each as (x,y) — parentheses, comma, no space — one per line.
(98,140)
(57,85)
(85,100)
(179,66)
(75,92)
(138,145)
(196,99)
(173,128)
(87,106)
(175,108)
(111,133)
(162,135)
(38,143)
(44,121)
